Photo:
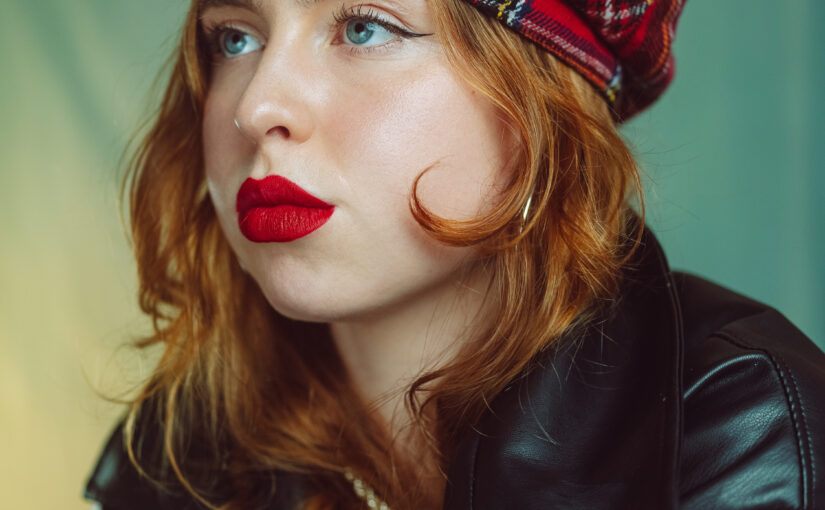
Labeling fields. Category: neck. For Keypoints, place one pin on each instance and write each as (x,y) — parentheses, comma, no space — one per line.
(385,352)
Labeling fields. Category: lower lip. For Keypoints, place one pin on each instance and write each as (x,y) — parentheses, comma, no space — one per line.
(282,223)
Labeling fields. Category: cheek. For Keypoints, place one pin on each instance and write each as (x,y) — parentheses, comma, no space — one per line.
(223,150)
(432,121)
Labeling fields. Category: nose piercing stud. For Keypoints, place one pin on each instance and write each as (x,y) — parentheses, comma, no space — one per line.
(236,124)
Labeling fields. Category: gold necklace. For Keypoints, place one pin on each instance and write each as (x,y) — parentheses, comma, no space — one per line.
(365,492)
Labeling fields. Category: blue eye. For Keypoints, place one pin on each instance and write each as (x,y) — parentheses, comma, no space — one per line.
(234,43)
(360,31)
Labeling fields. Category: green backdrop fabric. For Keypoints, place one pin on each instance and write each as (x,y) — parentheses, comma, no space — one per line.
(734,153)
(733,160)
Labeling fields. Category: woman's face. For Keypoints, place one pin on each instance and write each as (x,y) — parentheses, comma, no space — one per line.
(350,102)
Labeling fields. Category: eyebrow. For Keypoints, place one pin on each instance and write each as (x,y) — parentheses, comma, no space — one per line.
(252,5)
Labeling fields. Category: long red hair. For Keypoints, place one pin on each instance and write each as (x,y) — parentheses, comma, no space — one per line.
(237,400)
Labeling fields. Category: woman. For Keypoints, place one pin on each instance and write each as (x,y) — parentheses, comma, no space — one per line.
(391,260)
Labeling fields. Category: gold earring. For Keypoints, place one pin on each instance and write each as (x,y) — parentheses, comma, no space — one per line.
(524,214)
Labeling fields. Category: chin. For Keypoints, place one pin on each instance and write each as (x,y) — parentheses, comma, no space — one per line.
(328,305)
(300,313)
(310,304)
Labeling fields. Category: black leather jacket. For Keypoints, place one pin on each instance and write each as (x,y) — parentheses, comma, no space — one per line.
(686,396)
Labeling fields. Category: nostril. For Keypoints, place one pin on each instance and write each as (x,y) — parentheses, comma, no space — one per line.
(281,130)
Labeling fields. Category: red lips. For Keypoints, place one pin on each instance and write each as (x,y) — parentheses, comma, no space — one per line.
(275,209)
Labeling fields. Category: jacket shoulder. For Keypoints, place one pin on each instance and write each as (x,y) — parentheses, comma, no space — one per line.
(116,484)
(754,404)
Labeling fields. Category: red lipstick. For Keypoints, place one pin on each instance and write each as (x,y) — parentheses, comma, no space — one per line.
(276,210)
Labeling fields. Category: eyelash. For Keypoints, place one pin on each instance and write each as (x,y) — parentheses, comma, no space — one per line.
(341,17)
(344,15)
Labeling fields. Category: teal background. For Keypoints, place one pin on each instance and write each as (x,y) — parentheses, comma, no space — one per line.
(734,153)
(732,157)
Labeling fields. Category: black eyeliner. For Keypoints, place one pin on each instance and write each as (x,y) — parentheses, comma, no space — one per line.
(344,14)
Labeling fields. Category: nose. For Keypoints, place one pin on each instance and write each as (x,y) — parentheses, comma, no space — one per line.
(276,101)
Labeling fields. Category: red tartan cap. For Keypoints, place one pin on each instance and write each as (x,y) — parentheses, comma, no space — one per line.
(622,47)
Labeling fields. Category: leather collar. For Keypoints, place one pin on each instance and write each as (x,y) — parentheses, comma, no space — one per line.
(597,422)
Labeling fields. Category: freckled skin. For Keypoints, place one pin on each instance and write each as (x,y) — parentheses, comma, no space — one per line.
(353,130)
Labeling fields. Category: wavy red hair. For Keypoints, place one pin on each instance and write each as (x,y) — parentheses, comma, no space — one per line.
(236,400)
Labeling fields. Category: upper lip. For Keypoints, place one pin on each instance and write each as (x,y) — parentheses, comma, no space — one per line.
(272,191)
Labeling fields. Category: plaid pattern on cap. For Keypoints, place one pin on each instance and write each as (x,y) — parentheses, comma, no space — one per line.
(622,47)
